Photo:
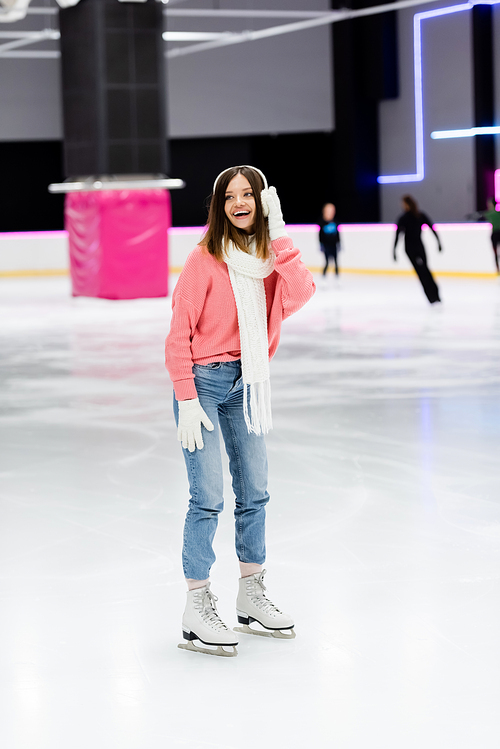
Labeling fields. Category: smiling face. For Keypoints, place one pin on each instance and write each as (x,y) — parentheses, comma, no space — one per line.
(239,205)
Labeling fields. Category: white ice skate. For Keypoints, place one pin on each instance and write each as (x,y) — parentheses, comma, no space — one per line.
(202,623)
(253,606)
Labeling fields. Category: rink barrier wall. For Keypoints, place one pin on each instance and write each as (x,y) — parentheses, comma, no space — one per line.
(366,249)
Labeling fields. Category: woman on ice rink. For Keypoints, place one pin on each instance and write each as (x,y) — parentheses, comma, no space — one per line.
(410,224)
(237,286)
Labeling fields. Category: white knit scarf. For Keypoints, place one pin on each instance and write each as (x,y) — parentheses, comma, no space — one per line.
(247,274)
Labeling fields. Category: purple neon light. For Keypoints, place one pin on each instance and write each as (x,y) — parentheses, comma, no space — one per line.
(31,234)
(186,230)
(355,228)
(419,174)
(497,189)
(461,227)
(177,230)
(305,228)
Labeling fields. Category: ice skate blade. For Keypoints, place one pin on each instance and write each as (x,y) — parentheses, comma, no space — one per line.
(276,633)
(219,650)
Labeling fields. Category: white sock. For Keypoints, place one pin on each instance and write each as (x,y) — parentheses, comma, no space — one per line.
(194,584)
(249,568)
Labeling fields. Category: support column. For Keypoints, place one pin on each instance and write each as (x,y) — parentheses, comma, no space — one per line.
(365,72)
(484,109)
(113,88)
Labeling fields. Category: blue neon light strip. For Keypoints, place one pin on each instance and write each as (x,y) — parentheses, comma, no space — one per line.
(419,173)
(470,132)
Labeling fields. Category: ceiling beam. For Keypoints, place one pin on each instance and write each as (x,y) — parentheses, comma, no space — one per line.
(33,38)
(21,35)
(223,13)
(31,54)
(315,19)
(35,11)
(323,20)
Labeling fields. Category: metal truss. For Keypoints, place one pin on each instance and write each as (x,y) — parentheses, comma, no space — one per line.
(308,20)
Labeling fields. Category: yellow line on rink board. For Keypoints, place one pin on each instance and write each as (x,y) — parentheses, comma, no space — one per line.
(388,272)
(382,272)
(459,274)
(37,272)
(314,269)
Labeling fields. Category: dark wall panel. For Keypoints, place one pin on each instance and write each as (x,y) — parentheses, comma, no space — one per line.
(25,171)
(365,65)
(301,166)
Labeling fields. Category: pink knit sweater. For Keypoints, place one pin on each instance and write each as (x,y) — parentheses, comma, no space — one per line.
(204,325)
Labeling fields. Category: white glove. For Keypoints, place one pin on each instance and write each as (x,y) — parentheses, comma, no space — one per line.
(272,208)
(191,417)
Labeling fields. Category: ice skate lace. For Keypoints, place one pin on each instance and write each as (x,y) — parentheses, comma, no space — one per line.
(255,591)
(205,603)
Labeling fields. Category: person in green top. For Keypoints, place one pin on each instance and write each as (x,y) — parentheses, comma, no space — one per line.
(493,217)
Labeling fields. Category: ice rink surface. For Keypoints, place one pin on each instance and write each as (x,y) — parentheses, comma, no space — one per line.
(383,529)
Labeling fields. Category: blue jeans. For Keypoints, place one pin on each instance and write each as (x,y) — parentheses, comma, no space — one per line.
(220,389)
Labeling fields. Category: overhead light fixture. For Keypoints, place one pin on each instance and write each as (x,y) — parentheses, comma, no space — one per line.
(13,10)
(191,36)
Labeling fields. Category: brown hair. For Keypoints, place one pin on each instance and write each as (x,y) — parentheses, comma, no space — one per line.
(220,230)
(412,204)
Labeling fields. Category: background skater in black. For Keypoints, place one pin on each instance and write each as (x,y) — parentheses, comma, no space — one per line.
(410,224)
(329,238)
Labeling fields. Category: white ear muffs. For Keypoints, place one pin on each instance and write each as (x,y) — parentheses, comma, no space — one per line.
(247,166)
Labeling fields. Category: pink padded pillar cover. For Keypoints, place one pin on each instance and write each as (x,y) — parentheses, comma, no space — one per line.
(118,243)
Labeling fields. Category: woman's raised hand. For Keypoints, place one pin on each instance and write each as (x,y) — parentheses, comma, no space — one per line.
(191,417)
(272,209)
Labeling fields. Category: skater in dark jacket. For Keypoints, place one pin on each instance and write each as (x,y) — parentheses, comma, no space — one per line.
(329,238)
(410,224)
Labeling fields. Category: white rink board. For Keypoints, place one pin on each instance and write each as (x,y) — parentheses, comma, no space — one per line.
(185,239)
(466,248)
(368,247)
(365,248)
(40,251)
